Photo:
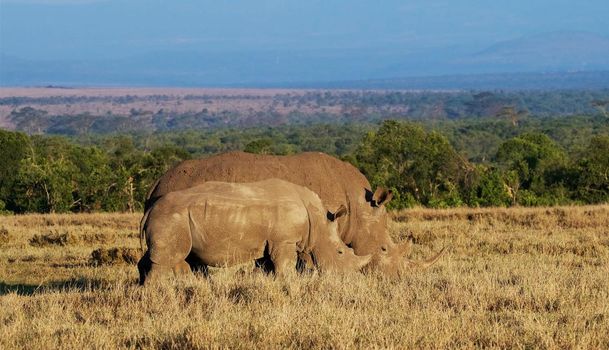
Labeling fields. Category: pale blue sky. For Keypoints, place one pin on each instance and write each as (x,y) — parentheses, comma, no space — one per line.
(252,42)
(86,29)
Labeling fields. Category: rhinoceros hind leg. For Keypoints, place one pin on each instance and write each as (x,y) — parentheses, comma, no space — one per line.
(181,268)
(157,272)
(168,247)
(163,263)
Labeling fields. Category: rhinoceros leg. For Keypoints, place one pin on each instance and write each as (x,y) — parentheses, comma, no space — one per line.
(181,268)
(158,271)
(284,258)
(305,263)
(149,270)
(169,245)
(264,264)
(144,266)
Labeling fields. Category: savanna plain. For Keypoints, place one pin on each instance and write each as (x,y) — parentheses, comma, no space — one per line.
(512,278)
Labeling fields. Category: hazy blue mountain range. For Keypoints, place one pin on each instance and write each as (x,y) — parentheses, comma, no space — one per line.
(561,51)
(568,52)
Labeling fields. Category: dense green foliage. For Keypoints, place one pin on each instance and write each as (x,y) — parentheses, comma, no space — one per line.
(529,169)
(55,175)
(420,167)
(13,148)
(442,163)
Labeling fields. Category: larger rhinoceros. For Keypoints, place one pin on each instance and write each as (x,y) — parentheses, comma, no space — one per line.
(336,182)
(222,224)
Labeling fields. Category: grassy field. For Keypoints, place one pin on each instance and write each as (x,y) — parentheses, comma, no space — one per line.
(514,278)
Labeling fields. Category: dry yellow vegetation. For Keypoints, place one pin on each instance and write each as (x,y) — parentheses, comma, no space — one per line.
(514,278)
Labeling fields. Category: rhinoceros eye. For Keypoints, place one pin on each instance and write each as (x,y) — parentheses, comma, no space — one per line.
(340,251)
(383,248)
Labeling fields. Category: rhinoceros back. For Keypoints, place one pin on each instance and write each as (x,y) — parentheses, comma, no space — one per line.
(332,179)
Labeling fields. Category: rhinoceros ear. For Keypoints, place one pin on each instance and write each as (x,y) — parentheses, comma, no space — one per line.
(338,213)
(381,196)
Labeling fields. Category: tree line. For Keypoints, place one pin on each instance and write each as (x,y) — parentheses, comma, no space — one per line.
(529,169)
(434,165)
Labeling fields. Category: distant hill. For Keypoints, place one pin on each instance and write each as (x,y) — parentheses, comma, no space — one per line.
(560,51)
(502,81)
(556,60)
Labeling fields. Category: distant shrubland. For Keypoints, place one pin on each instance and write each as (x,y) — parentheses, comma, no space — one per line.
(83,111)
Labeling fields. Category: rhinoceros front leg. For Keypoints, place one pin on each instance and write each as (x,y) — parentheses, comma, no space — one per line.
(264,264)
(283,256)
(305,263)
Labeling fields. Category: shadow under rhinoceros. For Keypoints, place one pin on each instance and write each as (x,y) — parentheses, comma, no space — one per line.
(304,264)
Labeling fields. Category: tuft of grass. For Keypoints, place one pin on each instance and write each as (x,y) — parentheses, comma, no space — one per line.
(63,239)
(47,239)
(114,256)
(4,236)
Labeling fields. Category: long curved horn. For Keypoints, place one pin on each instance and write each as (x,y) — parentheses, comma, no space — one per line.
(423,264)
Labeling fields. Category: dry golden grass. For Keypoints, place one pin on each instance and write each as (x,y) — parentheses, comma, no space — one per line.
(514,278)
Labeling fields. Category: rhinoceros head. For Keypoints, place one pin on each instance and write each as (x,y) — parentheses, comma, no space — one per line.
(371,235)
(372,238)
(330,253)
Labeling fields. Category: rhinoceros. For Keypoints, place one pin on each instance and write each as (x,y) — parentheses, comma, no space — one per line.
(363,227)
(222,224)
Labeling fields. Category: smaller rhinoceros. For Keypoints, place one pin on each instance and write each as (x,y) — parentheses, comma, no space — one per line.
(221,224)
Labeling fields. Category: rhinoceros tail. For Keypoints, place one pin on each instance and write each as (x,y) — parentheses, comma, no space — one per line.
(427,262)
(149,201)
(142,232)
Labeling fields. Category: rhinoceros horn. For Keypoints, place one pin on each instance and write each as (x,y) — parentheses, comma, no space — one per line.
(427,262)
